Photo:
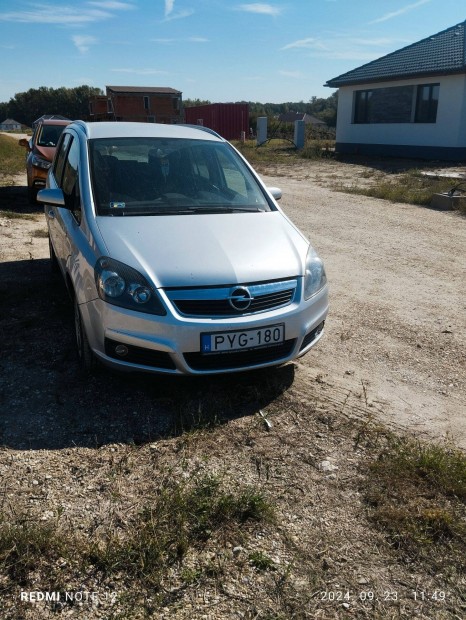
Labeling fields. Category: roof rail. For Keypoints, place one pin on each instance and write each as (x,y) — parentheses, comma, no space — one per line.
(202,128)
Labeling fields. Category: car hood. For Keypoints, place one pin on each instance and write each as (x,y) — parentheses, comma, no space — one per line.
(46,152)
(205,250)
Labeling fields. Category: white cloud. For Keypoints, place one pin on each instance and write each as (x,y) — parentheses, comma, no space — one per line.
(83,42)
(340,46)
(309,43)
(401,11)
(257,7)
(55,14)
(180,15)
(169,6)
(113,5)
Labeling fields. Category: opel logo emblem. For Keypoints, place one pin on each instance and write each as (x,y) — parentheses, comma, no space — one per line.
(240,299)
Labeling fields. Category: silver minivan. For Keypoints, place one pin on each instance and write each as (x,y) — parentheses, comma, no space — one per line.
(178,258)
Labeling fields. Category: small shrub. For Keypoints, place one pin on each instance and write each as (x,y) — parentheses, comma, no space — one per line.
(261,561)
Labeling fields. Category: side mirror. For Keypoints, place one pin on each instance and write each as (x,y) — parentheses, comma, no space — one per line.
(276,192)
(24,142)
(54,197)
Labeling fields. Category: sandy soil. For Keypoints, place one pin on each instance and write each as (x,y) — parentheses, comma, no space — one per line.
(397,323)
(396,331)
(81,452)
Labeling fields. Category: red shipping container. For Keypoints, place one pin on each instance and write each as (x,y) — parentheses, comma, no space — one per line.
(227,119)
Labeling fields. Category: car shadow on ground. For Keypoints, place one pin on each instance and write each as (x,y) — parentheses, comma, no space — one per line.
(47,403)
(14,198)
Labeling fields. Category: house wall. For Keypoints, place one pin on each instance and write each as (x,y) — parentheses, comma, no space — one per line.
(162,108)
(444,139)
(130,107)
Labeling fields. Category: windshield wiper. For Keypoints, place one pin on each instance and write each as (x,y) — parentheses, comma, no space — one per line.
(194,210)
(222,209)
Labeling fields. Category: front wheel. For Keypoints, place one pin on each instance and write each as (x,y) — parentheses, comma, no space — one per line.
(86,357)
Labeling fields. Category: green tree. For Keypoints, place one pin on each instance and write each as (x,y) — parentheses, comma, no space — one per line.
(72,103)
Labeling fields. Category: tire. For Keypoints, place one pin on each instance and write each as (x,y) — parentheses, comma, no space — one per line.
(86,358)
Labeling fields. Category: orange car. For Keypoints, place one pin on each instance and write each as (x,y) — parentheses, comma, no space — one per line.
(41,150)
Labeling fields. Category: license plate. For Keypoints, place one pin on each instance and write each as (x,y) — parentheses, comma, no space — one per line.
(225,342)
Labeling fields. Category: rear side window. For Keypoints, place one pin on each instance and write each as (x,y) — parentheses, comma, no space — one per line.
(70,169)
(60,158)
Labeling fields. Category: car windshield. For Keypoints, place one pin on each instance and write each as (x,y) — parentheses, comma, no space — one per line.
(166,176)
(49,135)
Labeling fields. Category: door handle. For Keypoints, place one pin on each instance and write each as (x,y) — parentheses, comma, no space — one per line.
(51,214)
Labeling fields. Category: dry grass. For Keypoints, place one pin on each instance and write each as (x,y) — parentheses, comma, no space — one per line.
(258,530)
(411,187)
(12,156)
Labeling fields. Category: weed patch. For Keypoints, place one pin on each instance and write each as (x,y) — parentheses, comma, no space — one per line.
(182,516)
(13,215)
(411,187)
(416,494)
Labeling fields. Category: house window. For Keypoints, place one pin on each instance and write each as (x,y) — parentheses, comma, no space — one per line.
(176,104)
(427,103)
(392,104)
(109,106)
(146,103)
(91,108)
(362,106)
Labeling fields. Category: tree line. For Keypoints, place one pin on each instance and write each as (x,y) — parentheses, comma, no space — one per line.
(322,108)
(73,103)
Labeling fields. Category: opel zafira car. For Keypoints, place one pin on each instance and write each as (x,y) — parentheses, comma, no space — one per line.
(178,258)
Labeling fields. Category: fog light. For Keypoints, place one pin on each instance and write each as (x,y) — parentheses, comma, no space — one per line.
(121,350)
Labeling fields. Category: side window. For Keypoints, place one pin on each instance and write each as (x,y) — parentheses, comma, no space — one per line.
(60,157)
(70,180)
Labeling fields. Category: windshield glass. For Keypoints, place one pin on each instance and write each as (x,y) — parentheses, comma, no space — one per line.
(164,176)
(49,135)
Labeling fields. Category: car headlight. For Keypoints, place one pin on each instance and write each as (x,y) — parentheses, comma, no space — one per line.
(314,277)
(40,163)
(123,286)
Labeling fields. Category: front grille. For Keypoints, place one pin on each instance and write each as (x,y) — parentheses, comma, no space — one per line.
(139,355)
(240,359)
(214,301)
(221,307)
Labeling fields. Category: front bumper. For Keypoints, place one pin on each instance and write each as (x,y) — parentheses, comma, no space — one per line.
(133,341)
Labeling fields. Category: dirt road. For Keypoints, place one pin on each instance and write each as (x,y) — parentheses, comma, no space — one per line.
(396,332)
(86,454)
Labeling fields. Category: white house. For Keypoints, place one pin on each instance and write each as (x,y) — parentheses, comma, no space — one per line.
(411,103)
(10,125)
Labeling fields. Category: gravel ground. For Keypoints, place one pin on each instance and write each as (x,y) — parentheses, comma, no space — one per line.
(87,453)
(397,279)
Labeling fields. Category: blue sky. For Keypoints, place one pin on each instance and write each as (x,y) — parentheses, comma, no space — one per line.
(221,50)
